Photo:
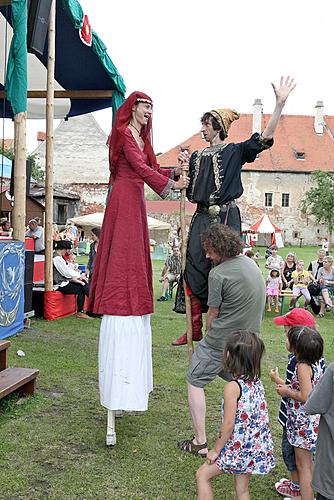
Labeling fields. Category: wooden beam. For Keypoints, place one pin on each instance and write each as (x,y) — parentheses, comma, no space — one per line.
(49,149)
(67,94)
(20,154)
(5,2)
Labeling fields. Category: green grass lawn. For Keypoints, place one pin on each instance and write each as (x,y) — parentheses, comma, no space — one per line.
(52,444)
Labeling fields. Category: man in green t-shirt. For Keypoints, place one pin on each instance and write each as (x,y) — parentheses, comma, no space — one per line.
(236,302)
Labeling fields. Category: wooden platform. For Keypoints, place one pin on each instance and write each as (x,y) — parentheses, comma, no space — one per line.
(22,380)
(4,344)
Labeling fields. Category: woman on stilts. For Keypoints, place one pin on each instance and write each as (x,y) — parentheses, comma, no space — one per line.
(121,289)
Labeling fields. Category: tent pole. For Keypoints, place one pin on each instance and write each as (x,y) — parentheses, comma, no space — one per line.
(49,149)
(19,209)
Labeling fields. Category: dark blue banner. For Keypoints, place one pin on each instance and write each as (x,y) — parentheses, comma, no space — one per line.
(12,262)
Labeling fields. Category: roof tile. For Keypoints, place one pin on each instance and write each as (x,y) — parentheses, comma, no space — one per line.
(295,133)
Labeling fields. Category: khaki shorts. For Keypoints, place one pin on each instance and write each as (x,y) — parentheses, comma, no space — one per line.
(172,277)
(206,364)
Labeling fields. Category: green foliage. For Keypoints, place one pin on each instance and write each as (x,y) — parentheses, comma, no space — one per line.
(319,199)
(8,153)
(37,173)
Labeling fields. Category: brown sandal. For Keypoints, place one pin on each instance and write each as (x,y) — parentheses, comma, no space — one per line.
(188,446)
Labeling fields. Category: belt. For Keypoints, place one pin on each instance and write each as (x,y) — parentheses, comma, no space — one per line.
(213,211)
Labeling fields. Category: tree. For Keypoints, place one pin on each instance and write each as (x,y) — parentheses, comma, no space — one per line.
(319,200)
(37,173)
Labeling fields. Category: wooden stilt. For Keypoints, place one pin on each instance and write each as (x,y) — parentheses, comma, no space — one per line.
(184,257)
(111,429)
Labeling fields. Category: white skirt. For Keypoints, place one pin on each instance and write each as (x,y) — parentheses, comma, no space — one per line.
(125,362)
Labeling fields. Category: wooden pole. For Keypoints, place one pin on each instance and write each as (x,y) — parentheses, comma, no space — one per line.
(19,209)
(49,149)
(184,237)
(67,94)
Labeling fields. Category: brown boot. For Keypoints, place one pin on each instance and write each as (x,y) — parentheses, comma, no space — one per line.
(196,323)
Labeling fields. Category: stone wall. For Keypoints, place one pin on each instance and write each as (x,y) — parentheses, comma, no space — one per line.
(293,223)
(93,196)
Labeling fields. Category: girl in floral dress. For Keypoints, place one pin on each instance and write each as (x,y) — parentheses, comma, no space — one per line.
(302,430)
(244,445)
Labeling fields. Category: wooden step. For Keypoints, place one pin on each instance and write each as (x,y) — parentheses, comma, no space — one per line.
(4,344)
(18,379)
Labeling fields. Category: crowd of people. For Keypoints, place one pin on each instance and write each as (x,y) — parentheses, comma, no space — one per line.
(232,350)
(220,281)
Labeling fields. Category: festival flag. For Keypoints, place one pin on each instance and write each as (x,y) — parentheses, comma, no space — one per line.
(16,77)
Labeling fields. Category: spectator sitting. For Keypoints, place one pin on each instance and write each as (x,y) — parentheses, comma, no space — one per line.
(5,229)
(325,245)
(36,232)
(326,282)
(170,272)
(96,231)
(316,265)
(288,267)
(67,280)
(73,235)
(250,254)
(72,262)
(55,234)
(314,287)
(300,281)
(274,287)
(274,261)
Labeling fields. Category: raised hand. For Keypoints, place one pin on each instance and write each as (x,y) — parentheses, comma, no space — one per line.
(284,89)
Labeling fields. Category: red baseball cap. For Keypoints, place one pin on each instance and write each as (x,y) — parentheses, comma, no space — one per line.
(296,317)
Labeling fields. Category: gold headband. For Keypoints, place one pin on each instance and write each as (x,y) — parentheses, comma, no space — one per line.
(145,100)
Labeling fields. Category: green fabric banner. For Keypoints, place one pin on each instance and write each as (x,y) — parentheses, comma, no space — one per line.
(16,78)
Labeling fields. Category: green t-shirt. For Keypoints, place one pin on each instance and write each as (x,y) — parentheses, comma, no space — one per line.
(237,288)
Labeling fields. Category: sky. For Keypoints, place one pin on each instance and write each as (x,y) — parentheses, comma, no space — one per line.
(191,56)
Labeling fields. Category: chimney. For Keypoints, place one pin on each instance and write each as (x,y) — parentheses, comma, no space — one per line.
(41,137)
(257,116)
(319,118)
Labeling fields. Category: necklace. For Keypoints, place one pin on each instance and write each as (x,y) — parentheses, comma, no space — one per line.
(131,125)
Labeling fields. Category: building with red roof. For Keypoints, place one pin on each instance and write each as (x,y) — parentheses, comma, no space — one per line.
(278,179)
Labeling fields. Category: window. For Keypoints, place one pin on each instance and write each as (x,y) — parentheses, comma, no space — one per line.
(268,199)
(285,199)
(300,155)
(295,234)
(62,214)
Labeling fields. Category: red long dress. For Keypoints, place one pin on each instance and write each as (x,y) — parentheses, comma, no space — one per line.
(122,277)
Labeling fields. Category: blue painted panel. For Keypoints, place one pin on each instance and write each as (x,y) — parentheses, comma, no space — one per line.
(12,261)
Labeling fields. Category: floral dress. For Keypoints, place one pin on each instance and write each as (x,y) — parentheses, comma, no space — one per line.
(249,449)
(302,429)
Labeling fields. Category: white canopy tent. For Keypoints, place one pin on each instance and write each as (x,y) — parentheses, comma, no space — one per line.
(271,234)
(159,230)
(95,220)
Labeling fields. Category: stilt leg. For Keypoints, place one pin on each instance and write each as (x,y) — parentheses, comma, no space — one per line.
(111,431)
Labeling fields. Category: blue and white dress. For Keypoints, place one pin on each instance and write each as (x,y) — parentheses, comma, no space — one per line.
(302,429)
(249,449)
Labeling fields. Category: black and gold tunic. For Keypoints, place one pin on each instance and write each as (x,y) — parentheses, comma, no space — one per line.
(215,179)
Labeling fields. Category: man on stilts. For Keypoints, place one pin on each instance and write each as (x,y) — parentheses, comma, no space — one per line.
(215,184)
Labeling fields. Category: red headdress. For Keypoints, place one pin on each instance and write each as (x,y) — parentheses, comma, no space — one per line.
(116,137)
